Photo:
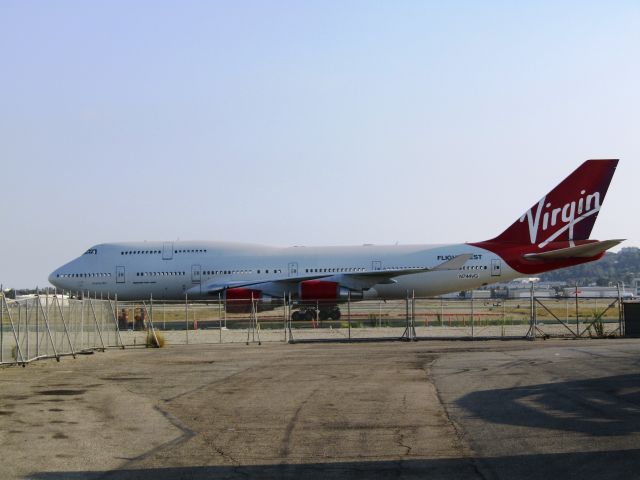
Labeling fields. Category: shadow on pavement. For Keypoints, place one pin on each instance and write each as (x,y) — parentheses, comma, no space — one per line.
(599,407)
(601,465)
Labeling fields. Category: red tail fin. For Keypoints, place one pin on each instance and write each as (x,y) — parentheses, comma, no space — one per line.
(568,212)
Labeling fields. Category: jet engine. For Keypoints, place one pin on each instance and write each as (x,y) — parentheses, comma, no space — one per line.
(238,300)
(323,290)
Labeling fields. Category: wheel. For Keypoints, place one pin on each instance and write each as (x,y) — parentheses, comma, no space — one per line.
(335,313)
(308,315)
(295,316)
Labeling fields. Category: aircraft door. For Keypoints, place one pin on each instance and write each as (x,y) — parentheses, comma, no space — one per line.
(293,269)
(496,270)
(167,250)
(376,265)
(195,274)
(120,277)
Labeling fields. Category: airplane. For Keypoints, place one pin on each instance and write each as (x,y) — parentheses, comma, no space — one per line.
(552,234)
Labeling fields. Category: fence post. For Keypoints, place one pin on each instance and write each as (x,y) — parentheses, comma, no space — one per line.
(284,314)
(150,321)
(220,316)
(95,319)
(349,312)
(26,324)
(15,335)
(414,336)
(503,316)
(472,317)
(66,331)
(289,320)
(115,318)
(1,323)
(186,317)
(46,300)
(82,305)
(620,312)
(532,325)
(102,315)
(535,313)
(577,314)
(250,327)
(46,322)
(405,334)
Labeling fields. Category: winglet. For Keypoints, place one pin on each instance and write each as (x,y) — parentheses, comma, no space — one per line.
(454,264)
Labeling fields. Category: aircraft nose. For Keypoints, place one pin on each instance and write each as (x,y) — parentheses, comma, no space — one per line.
(53,278)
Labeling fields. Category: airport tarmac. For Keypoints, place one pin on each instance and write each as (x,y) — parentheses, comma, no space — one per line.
(429,409)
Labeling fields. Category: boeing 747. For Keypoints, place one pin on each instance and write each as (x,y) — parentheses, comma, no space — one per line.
(553,233)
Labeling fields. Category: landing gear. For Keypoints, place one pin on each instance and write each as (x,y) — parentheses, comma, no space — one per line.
(330,313)
(310,314)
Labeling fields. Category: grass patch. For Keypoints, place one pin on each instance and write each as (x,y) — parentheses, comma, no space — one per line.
(596,324)
(152,342)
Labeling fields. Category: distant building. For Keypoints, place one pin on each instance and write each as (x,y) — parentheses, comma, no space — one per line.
(480,294)
(475,294)
(521,288)
(526,292)
(596,292)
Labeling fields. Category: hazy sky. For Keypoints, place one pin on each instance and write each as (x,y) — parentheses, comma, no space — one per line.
(308,123)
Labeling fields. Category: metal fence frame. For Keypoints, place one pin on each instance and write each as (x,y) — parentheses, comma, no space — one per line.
(46,326)
(53,326)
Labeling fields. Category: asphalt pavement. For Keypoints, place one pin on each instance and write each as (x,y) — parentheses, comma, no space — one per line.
(428,409)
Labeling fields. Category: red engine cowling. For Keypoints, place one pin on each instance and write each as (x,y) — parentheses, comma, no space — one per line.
(322,290)
(318,290)
(238,300)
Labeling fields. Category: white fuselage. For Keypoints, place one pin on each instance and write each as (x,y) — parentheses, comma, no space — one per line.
(169,270)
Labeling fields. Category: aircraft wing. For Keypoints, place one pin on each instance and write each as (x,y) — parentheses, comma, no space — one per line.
(453,264)
(580,251)
(352,280)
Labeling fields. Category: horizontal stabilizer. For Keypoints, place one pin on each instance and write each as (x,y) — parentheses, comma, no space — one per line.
(581,251)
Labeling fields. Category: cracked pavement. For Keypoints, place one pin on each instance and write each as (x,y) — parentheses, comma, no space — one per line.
(489,409)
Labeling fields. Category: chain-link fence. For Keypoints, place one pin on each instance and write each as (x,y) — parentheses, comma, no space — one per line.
(249,321)
(53,326)
(48,326)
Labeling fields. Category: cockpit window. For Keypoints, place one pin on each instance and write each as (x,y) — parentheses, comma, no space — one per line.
(91,251)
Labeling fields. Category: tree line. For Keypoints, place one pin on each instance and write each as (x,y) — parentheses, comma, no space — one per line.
(623,266)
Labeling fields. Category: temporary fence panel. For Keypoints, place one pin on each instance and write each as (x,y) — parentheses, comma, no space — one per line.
(48,326)
(52,326)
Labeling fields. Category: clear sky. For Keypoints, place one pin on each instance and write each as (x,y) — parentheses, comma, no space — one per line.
(304,123)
